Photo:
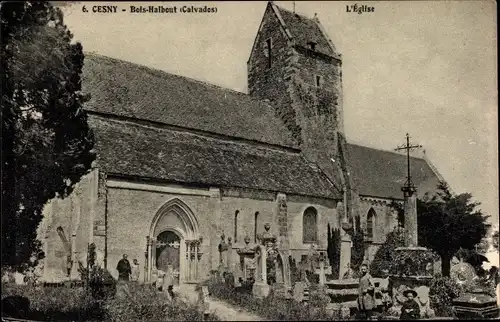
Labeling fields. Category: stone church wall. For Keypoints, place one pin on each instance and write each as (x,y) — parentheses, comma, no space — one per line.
(327,214)
(130,216)
(273,83)
(385,221)
(247,204)
(73,215)
(130,209)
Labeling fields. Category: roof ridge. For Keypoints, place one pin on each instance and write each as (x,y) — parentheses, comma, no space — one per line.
(383,150)
(204,136)
(167,73)
(293,13)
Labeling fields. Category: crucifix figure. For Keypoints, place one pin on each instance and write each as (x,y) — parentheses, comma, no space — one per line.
(408,187)
(410,199)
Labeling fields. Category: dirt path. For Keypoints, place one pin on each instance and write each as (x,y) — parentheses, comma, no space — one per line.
(223,310)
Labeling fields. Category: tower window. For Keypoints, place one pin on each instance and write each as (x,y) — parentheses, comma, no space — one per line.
(312,45)
(268,52)
(319,80)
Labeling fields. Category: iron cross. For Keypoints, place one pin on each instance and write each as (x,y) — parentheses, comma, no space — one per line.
(408,147)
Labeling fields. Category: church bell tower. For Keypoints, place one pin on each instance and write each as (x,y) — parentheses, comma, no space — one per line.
(295,66)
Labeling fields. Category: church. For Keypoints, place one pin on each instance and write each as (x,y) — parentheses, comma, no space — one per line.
(181,162)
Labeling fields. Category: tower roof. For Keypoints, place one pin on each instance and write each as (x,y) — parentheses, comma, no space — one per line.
(304,31)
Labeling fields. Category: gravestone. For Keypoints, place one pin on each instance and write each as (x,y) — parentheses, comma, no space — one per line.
(122,289)
(298,291)
(203,300)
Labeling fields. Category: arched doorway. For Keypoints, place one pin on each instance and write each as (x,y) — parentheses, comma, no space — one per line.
(174,240)
(168,253)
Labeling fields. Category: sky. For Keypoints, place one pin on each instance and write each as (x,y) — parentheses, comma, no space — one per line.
(428,68)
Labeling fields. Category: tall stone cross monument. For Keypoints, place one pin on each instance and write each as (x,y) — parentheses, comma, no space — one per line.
(410,199)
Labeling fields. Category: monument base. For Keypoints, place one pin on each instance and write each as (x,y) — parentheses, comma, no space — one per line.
(260,289)
(413,272)
(475,305)
(281,290)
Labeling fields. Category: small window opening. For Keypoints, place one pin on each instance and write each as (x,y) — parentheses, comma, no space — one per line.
(236,213)
(269,52)
(255,226)
(319,81)
(312,45)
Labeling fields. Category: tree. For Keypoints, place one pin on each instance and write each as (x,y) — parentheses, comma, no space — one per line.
(448,222)
(358,245)
(333,249)
(46,142)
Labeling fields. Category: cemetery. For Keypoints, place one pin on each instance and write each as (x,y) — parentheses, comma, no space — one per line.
(267,282)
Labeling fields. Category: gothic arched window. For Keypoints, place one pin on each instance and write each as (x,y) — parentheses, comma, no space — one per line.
(236,213)
(255,226)
(370,224)
(310,226)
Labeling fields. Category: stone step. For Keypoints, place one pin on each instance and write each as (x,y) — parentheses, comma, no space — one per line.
(342,292)
(349,304)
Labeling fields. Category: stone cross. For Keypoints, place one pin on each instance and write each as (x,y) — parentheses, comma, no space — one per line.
(410,198)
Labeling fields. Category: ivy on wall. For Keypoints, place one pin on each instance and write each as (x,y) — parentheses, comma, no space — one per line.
(317,101)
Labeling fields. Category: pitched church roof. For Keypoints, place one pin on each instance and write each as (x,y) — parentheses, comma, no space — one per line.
(157,153)
(379,173)
(130,90)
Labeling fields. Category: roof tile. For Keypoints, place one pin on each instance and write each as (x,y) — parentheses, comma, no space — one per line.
(126,89)
(148,152)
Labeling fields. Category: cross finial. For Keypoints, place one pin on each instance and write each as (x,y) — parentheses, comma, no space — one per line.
(408,147)
(294,7)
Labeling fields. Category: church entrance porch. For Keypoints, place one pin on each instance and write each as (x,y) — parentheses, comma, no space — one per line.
(175,247)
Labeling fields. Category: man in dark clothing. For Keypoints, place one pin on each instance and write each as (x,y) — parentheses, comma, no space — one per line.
(124,269)
(410,309)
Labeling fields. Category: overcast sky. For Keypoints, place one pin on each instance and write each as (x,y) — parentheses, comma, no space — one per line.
(425,67)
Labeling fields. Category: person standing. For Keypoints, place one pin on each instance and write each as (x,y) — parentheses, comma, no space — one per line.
(366,292)
(410,309)
(135,271)
(168,280)
(124,269)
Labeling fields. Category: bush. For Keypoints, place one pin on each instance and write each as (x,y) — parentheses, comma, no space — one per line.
(358,245)
(147,304)
(272,307)
(100,282)
(56,303)
(76,304)
(442,292)
(385,255)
